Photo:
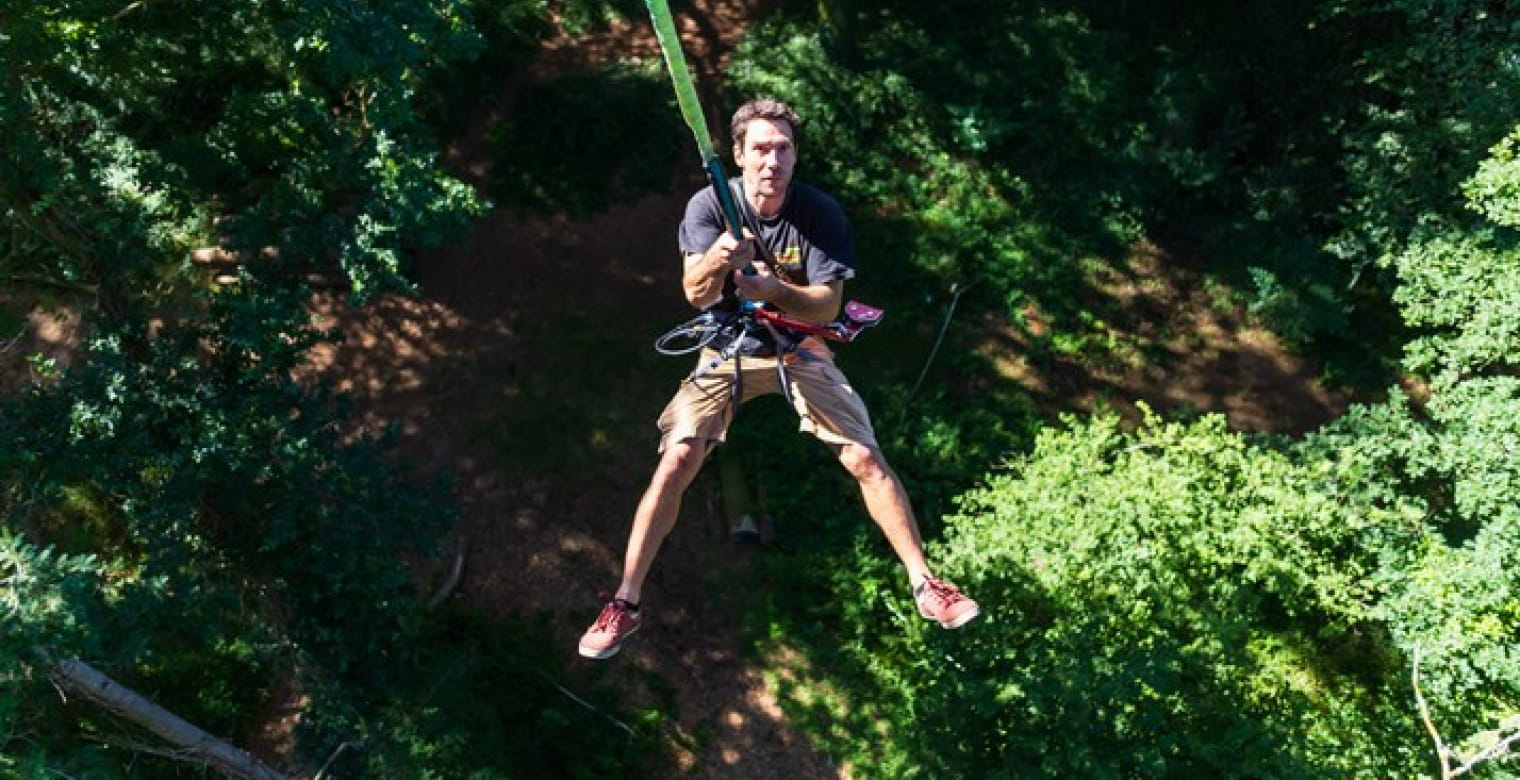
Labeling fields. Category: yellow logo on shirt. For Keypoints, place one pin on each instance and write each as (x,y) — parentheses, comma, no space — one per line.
(789,261)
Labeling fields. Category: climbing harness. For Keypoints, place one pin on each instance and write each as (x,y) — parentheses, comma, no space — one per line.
(734,332)
(755,331)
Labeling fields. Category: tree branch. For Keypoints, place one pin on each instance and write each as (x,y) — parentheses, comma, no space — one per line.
(1492,751)
(43,226)
(326,765)
(588,705)
(129,9)
(192,743)
(456,574)
(1435,735)
(56,284)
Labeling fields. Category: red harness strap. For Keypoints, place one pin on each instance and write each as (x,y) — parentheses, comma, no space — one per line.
(857,317)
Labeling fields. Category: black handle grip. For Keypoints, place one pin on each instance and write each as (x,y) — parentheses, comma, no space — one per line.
(719,181)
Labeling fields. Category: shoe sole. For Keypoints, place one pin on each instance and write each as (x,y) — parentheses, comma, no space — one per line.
(958,622)
(602,655)
(599,655)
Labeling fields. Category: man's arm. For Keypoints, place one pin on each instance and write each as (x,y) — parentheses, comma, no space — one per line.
(705,272)
(813,303)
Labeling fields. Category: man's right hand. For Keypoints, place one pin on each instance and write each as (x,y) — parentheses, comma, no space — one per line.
(706,272)
(732,252)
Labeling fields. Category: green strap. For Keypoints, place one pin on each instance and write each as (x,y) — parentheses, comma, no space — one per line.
(691,110)
(680,77)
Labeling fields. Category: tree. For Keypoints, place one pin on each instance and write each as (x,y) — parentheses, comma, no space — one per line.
(1184,576)
(1183,597)
(182,510)
(283,130)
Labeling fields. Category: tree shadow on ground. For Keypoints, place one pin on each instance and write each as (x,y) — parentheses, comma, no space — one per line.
(526,371)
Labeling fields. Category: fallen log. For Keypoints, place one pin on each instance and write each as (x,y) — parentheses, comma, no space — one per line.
(199,746)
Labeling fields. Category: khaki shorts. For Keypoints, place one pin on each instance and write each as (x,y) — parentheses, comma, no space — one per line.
(828,406)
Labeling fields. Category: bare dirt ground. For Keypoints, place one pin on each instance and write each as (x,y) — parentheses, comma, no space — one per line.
(1179,347)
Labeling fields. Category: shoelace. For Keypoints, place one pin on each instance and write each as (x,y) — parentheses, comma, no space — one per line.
(942,592)
(611,615)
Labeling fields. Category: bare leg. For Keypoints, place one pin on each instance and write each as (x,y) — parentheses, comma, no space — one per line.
(657,512)
(887,503)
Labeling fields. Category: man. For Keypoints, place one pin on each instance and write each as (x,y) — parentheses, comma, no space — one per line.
(801,258)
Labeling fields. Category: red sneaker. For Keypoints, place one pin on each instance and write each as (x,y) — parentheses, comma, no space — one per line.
(944,604)
(617,622)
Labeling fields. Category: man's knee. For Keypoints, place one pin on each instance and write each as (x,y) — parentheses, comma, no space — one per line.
(864,463)
(681,460)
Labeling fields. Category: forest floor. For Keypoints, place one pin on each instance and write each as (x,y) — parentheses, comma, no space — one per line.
(524,369)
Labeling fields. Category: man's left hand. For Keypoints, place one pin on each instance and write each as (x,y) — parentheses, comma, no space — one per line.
(763,286)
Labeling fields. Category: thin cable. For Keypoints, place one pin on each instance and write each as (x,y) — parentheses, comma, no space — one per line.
(955,291)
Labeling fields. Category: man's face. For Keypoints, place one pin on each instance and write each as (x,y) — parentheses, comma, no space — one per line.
(767,157)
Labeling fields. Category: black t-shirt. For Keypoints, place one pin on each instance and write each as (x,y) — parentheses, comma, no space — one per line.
(809,239)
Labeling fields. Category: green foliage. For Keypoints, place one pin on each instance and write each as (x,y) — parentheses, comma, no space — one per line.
(1172,600)
(127,136)
(210,501)
(238,535)
(583,16)
(1180,598)
(48,599)
(1460,286)
(1462,292)
(460,92)
(220,508)
(1438,83)
(1450,591)
(177,507)
(1458,597)
(1494,190)
(1183,599)
(1019,148)
(457,92)
(227,522)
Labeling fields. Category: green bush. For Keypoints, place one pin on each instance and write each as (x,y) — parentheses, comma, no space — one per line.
(1174,600)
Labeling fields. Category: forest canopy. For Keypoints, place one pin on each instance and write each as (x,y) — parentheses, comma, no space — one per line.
(189,510)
